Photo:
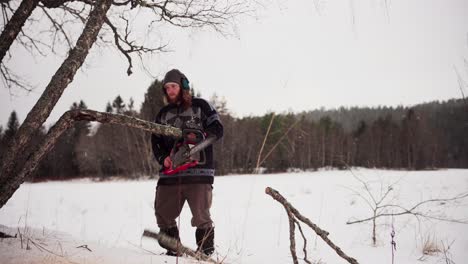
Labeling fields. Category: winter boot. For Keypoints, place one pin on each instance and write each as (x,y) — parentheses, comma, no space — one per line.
(172,232)
(205,240)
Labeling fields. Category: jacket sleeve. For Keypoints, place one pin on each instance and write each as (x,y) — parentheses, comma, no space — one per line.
(158,144)
(211,121)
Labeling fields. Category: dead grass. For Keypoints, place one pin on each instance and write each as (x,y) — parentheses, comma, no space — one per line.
(430,246)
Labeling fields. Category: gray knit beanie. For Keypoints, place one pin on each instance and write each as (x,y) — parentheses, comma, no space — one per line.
(178,77)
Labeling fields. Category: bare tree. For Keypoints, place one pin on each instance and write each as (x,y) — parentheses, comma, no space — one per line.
(197,13)
(382,205)
(41,110)
(377,201)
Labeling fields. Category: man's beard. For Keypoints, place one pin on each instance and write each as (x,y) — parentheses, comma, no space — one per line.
(176,100)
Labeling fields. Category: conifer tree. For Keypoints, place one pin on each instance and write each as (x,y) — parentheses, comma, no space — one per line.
(109,108)
(118,105)
(12,126)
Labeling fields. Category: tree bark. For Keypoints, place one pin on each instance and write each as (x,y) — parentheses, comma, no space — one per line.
(41,110)
(13,27)
(65,122)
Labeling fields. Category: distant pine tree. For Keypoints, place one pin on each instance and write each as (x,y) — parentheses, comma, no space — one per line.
(153,101)
(82,105)
(109,108)
(12,126)
(118,105)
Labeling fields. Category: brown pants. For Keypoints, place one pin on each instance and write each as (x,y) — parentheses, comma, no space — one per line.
(171,198)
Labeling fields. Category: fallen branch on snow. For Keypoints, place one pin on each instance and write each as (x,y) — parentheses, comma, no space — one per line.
(293,213)
(176,246)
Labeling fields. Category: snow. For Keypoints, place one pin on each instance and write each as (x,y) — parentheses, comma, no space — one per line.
(251,227)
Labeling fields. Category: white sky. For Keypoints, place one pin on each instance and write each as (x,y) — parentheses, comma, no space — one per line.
(291,57)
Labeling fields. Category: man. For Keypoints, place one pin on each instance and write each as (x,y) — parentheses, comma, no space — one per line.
(194,184)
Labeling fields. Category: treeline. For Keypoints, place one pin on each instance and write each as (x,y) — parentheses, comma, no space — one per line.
(426,136)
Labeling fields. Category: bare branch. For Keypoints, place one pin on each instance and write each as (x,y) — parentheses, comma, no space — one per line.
(412,211)
(320,232)
(279,141)
(371,206)
(292,239)
(78,14)
(32,44)
(461,84)
(264,141)
(7,11)
(305,241)
(131,46)
(58,27)
(11,80)
(195,13)
(11,30)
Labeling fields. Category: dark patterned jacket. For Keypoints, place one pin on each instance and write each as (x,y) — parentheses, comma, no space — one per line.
(201,114)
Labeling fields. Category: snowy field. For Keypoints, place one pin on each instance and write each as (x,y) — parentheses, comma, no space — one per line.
(109,217)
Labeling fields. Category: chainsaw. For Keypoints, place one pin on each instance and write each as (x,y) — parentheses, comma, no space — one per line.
(184,151)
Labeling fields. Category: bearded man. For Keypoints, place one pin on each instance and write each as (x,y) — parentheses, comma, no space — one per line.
(200,123)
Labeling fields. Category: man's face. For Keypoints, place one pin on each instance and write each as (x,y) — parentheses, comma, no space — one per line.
(172,91)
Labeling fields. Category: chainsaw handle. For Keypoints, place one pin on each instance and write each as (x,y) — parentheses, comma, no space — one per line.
(172,171)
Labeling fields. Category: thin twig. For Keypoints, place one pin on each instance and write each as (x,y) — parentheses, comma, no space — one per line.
(305,241)
(279,141)
(460,84)
(264,141)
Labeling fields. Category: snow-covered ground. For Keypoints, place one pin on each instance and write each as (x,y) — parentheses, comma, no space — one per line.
(109,217)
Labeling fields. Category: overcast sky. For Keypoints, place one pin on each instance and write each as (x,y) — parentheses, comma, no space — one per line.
(295,55)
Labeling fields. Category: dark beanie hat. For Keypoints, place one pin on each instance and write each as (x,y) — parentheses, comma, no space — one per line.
(178,77)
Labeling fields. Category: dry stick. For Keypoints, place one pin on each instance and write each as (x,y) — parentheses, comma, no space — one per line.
(264,141)
(322,233)
(292,239)
(460,84)
(279,141)
(446,252)
(305,241)
(176,246)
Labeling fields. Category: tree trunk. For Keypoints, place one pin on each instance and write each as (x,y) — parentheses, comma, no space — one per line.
(41,110)
(13,27)
(65,122)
